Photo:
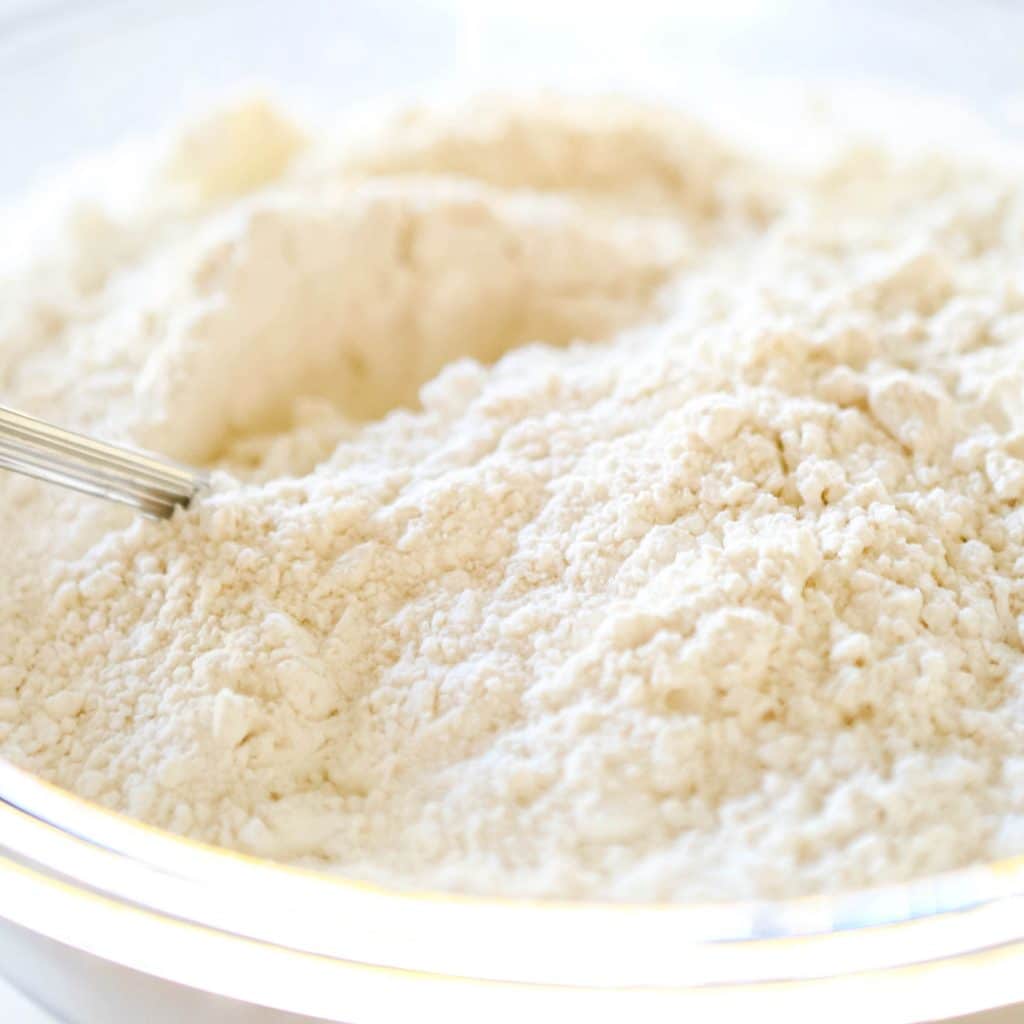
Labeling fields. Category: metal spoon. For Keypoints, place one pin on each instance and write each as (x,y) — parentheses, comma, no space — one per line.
(150,483)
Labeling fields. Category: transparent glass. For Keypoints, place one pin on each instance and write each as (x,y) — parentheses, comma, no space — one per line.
(105,919)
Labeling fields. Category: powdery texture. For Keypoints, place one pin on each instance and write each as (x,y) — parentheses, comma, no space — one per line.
(710,587)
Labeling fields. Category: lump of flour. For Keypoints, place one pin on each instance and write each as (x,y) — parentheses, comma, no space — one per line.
(600,511)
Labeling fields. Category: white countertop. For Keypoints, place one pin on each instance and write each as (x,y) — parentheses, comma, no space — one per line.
(15,1007)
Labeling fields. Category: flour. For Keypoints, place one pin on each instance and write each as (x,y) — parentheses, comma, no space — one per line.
(599,510)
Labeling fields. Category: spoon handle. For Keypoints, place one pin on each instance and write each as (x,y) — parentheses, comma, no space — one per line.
(150,483)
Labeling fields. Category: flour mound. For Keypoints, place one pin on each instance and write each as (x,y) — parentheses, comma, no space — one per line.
(599,510)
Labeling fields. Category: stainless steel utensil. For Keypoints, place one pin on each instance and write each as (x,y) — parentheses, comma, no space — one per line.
(150,483)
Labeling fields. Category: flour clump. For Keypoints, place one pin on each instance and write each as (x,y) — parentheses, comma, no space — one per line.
(600,510)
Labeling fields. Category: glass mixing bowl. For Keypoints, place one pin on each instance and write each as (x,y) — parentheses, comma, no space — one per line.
(103,919)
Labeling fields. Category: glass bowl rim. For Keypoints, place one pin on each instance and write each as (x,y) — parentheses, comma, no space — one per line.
(665,945)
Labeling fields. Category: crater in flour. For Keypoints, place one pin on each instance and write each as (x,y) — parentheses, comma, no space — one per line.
(363,295)
(360,286)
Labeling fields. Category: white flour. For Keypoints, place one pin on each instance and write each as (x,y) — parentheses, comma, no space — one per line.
(711,587)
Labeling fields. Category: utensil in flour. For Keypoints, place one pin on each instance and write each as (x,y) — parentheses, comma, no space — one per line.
(154,485)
